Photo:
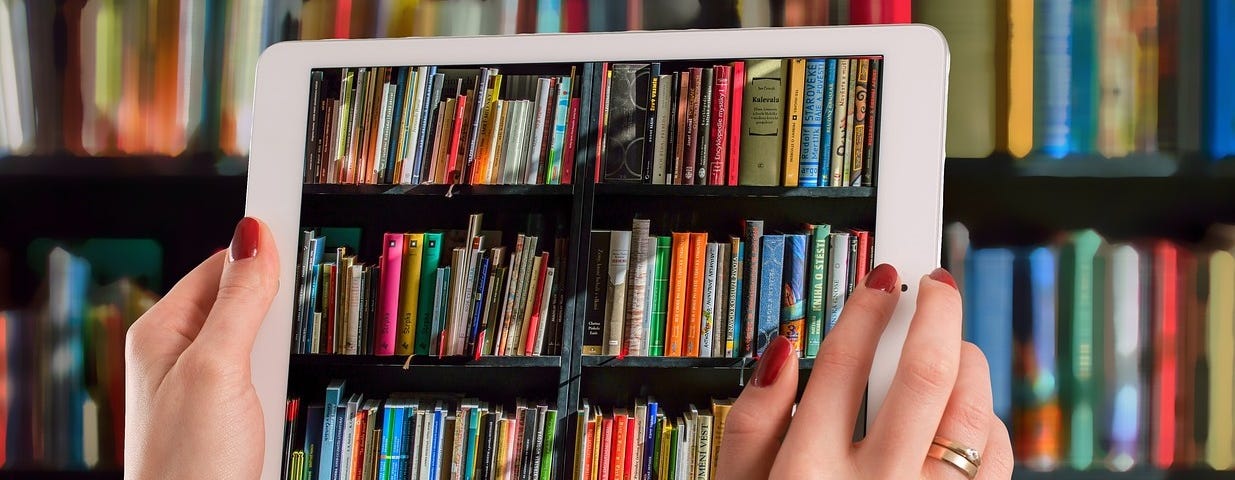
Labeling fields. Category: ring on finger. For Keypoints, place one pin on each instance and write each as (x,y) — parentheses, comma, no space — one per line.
(970,454)
(954,459)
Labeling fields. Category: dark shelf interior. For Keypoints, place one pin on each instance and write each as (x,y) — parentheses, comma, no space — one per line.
(48,474)
(605,361)
(439,190)
(422,361)
(742,191)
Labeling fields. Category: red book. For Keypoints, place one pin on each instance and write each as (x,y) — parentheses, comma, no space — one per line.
(868,12)
(1190,358)
(693,97)
(568,152)
(574,16)
(719,134)
(864,255)
(606,450)
(735,121)
(388,294)
(679,150)
(620,467)
(343,19)
(358,434)
(603,114)
(525,20)
(533,324)
(630,447)
(1166,341)
(452,166)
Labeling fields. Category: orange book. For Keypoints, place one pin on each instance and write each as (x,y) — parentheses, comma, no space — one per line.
(678,270)
(606,450)
(694,299)
(793,122)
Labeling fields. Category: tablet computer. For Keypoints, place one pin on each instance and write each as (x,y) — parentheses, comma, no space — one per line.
(333,185)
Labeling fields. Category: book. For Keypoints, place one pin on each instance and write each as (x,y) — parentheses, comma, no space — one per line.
(812,121)
(840,123)
(736,294)
(1081,277)
(660,310)
(763,112)
(410,293)
(838,274)
(615,294)
(625,130)
(793,296)
(675,325)
(794,93)
(771,268)
(989,322)
(816,288)
(752,235)
(594,320)
(633,336)
(693,327)
(707,314)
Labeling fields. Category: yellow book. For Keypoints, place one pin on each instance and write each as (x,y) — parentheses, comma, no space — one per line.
(406,330)
(596,422)
(488,121)
(1017,87)
(503,428)
(720,412)
(666,438)
(1220,338)
(793,121)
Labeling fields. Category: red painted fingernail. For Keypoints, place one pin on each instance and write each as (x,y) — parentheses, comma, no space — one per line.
(941,275)
(772,362)
(244,241)
(882,278)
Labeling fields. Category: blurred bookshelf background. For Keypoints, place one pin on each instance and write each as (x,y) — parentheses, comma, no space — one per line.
(1091,171)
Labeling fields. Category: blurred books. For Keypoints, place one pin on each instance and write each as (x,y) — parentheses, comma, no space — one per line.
(62,364)
(1107,354)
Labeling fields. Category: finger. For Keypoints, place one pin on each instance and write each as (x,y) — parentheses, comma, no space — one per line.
(967,419)
(249,282)
(997,457)
(827,414)
(905,425)
(758,419)
(171,324)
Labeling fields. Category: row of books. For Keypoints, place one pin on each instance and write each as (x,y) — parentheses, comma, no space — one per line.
(646,442)
(427,124)
(432,293)
(62,370)
(1062,78)
(420,436)
(679,295)
(1107,353)
(791,122)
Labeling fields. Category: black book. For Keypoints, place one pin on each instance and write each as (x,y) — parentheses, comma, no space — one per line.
(647,83)
(598,275)
(625,126)
(703,150)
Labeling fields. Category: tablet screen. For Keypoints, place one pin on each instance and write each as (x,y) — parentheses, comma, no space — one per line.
(531,270)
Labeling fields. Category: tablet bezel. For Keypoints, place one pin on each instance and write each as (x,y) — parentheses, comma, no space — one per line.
(909,200)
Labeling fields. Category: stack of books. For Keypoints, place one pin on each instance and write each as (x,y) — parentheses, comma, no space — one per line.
(432,293)
(427,124)
(413,435)
(1107,353)
(646,441)
(788,122)
(681,296)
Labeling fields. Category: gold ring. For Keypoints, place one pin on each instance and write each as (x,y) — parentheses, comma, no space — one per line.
(970,454)
(954,459)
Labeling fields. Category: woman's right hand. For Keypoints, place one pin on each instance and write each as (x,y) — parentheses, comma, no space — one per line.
(941,388)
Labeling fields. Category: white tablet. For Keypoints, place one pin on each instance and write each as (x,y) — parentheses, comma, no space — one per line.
(908,180)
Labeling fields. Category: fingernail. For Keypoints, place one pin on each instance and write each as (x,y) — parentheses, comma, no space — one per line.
(772,362)
(941,275)
(244,241)
(882,278)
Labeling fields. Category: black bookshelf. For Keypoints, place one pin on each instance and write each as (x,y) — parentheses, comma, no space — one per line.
(741,191)
(727,363)
(425,361)
(440,190)
(49,474)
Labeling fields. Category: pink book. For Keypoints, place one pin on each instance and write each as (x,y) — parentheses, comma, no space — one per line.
(735,120)
(719,135)
(388,294)
(529,347)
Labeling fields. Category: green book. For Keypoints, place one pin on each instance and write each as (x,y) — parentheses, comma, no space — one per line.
(674,439)
(431,255)
(546,458)
(1081,345)
(656,338)
(763,122)
(815,306)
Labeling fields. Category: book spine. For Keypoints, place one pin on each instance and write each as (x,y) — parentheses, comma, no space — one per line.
(660,309)
(651,298)
(677,128)
(829,113)
(602,115)
(410,293)
(694,306)
(663,117)
(594,322)
(772,258)
(707,315)
(872,124)
(840,123)
(817,286)
(861,98)
(388,304)
(721,301)
(572,139)
(704,143)
(850,113)
(812,122)
(793,122)
(647,85)
(793,308)
(560,117)
(690,155)
(431,257)
(540,121)
(679,274)
(636,282)
(722,77)
(838,274)
(615,312)
(753,233)
(733,312)
(1084,88)
(1220,113)
(763,112)
(736,100)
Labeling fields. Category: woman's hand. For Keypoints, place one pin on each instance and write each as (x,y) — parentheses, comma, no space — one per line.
(941,388)
(191,408)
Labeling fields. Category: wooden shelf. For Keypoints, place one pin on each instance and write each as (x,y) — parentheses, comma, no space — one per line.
(421,361)
(608,361)
(439,190)
(639,189)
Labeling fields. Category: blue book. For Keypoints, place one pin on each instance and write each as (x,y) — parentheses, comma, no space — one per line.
(1043,305)
(469,455)
(553,174)
(1220,76)
(771,266)
(793,308)
(407,432)
(548,16)
(435,455)
(433,92)
(1052,79)
(829,111)
(478,309)
(988,323)
(738,287)
(1085,93)
(313,440)
(649,439)
(392,144)
(398,414)
(812,122)
(334,395)
(386,452)
(316,250)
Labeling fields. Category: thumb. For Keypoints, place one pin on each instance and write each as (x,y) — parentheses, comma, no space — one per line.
(247,286)
(760,416)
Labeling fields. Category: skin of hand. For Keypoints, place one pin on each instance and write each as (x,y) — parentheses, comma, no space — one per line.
(191,408)
(941,387)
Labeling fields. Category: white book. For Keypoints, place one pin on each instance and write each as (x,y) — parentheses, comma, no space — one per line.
(649,294)
(349,435)
(640,440)
(529,306)
(539,121)
(840,141)
(530,269)
(497,140)
(355,286)
(838,277)
(615,311)
(458,273)
(703,452)
(636,291)
(512,165)
(413,109)
(1124,320)
(660,150)
(707,320)
(383,129)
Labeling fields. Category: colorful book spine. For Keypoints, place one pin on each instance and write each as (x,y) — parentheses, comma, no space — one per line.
(735,122)
(388,305)
(838,275)
(719,136)
(1219,95)
(431,257)
(693,327)
(1085,92)
(840,123)
(660,311)
(1081,363)
(707,315)
(1052,85)
(829,111)
(733,322)
(812,122)
(752,236)
(816,306)
(678,292)
(763,111)
(771,272)
(410,293)
(793,122)
(989,323)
